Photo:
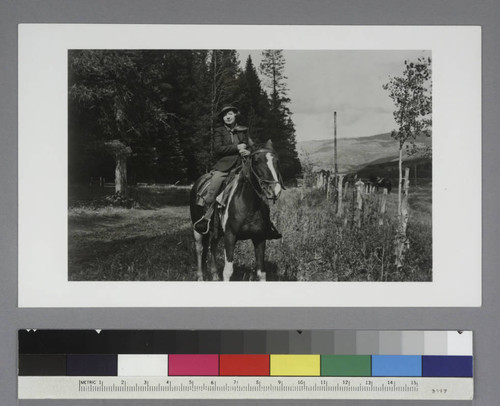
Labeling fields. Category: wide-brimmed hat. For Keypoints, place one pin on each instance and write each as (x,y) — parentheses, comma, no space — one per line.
(227,108)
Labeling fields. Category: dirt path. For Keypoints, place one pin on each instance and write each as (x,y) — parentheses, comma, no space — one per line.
(124,244)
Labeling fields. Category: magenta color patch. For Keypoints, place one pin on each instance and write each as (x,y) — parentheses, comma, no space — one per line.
(193,365)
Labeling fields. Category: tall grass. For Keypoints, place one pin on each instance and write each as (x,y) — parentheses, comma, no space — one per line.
(153,241)
(319,246)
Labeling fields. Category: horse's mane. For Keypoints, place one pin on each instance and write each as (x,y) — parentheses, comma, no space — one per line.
(263,145)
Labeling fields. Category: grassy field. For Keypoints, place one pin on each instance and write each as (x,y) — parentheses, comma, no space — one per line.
(151,239)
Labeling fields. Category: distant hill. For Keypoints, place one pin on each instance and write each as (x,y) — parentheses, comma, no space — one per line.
(353,153)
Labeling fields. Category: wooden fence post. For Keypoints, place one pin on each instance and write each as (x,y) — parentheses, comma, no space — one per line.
(359,199)
(346,190)
(340,209)
(383,202)
(327,186)
(402,241)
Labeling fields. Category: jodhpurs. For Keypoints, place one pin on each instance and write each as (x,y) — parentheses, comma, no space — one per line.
(218,178)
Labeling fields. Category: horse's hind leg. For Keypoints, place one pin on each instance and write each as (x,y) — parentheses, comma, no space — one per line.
(260,249)
(201,245)
(229,243)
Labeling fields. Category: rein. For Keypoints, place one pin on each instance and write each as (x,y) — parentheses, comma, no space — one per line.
(261,181)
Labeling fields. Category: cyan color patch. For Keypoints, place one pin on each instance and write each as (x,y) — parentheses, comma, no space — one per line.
(396,365)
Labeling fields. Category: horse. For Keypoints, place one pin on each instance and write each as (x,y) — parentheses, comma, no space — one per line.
(245,215)
(381,183)
(384,183)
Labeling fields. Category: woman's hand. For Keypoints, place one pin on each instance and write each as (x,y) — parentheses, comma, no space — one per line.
(242,149)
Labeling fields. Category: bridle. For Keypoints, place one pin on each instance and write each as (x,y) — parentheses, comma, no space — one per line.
(262,182)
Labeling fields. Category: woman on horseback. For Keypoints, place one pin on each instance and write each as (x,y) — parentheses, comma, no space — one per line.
(231,143)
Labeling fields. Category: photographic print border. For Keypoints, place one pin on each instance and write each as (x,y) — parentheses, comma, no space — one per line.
(43,167)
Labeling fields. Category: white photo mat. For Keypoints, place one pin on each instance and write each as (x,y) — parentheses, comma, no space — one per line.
(43,166)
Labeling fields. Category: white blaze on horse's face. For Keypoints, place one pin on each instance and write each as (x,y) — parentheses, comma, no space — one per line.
(270,164)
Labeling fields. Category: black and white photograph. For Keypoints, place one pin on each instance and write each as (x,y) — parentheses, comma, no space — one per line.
(242,165)
(179,155)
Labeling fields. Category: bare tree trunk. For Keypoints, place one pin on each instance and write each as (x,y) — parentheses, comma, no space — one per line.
(402,242)
(121,175)
(400,178)
(212,101)
(275,93)
(120,152)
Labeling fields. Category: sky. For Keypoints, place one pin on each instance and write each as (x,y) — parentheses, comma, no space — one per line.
(348,82)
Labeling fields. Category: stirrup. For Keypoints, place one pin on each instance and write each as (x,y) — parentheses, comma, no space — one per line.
(208,226)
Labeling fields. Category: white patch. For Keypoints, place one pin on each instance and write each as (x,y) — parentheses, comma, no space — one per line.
(228,269)
(226,212)
(261,275)
(277,186)
(199,252)
(277,189)
(269,157)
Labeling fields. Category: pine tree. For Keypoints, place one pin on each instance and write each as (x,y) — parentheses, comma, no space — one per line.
(272,67)
(280,123)
(118,102)
(189,101)
(223,71)
(100,85)
(252,102)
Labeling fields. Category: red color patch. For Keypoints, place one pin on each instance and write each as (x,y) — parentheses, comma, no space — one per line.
(244,365)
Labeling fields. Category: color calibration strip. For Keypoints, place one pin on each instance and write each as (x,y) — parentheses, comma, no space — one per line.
(245,365)
(409,364)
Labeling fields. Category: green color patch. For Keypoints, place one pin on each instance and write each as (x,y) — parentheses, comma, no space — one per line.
(345,365)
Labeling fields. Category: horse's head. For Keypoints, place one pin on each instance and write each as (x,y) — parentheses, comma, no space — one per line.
(264,168)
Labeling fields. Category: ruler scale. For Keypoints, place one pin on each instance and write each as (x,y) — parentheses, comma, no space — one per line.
(308,365)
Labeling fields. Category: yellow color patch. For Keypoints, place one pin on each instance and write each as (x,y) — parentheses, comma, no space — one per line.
(295,365)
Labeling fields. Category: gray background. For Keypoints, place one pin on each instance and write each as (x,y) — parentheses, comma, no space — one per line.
(484,321)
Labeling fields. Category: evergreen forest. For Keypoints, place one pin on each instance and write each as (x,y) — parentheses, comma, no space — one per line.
(155,111)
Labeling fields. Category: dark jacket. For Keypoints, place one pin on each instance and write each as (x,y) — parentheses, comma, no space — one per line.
(226,146)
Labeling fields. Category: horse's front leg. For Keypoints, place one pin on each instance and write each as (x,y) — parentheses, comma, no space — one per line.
(229,243)
(201,245)
(213,258)
(260,249)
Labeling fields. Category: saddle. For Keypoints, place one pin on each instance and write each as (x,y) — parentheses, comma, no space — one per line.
(224,193)
(202,191)
(227,188)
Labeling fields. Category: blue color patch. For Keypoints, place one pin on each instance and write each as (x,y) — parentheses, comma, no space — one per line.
(396,365)
(447,366)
